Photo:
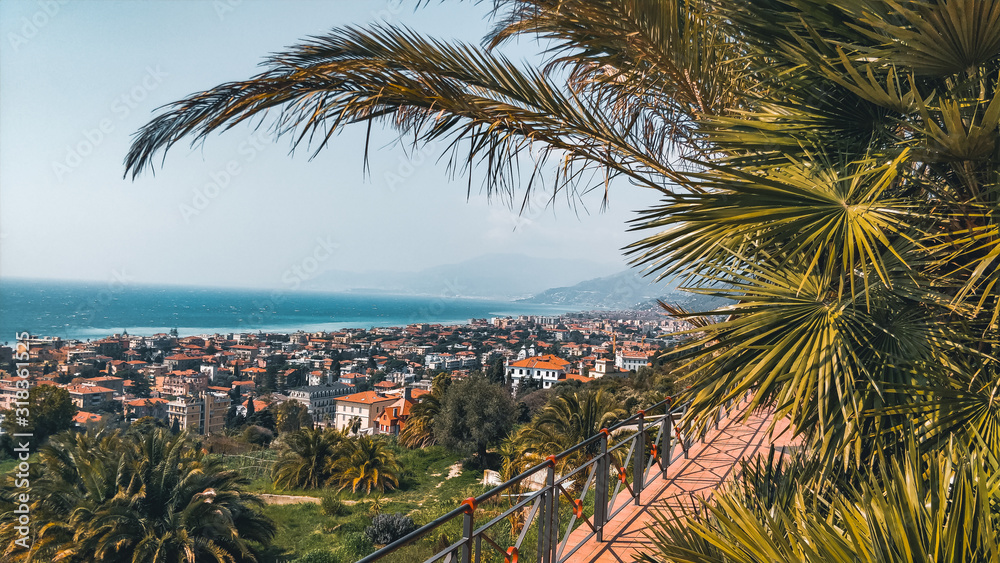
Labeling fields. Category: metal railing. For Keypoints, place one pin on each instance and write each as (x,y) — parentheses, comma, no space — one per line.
(550,524)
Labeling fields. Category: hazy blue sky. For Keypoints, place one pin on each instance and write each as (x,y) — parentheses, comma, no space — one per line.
(78,78)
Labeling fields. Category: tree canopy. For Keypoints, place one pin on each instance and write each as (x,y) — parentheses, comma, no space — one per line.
(475,414)
(50,410)
(149,495)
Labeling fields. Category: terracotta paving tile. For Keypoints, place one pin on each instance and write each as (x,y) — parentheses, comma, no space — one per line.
(708,464)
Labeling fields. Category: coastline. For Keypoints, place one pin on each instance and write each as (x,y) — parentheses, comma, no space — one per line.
(90,310)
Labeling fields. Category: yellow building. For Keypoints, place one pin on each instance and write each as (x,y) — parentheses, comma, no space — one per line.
(204,414)
(187,411)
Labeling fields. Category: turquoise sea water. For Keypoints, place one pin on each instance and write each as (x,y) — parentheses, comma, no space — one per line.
(93,310)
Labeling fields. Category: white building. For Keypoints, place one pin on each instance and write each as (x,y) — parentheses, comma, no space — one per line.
(629,361)
(320,400)
(547,369)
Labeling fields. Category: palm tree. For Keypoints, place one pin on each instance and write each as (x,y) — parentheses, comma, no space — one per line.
(306,458)
(113,496)
(912,508)
(569,419)
(365,464)
(828,168)
(419,429)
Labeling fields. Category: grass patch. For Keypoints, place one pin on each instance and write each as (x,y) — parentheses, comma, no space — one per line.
(8,465)
(425,493)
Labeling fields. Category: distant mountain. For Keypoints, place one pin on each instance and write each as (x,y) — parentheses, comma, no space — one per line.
(625,290)
(496,276)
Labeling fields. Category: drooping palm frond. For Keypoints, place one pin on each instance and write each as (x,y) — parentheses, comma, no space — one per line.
(841,185)
(665,64)
(487,110)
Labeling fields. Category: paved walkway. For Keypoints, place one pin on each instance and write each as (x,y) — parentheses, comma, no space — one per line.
(709,463)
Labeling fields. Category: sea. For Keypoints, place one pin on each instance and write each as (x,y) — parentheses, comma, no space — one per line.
(84,310)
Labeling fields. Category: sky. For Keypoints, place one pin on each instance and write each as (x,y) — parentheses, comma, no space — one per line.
(77,79)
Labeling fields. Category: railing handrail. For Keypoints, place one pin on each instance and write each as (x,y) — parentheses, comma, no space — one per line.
(469,504)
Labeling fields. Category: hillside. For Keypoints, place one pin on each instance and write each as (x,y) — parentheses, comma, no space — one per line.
(495,276)
(625,290)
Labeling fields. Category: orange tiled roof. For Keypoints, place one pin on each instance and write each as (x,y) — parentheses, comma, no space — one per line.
(83,417)
(88,390)
(403,406)
(547,361)
(365,397)
(106,378)
(145,402)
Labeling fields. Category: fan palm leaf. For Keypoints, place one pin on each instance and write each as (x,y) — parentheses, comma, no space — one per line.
(839,181)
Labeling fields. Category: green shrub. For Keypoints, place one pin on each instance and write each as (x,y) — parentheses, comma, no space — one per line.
(357,544)
(330,505)
(258,436)
(319,556)
(387,528)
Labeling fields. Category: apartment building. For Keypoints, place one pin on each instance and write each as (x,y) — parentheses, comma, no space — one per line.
(366,406)
(320,400)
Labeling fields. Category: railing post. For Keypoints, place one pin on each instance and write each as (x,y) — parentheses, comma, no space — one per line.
(665,442)
(640,457)
(548,519)
(683,439)
(601,482)
(542,518)
(467,529)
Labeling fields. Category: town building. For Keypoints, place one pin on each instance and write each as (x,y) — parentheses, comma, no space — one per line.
(116,384)
(358,380)
(366,406)
(12,390)
(547,369)
(393,418)
(631,361)
(604,367)
(87,397)
(187,411)
(82,418)
(216,407)
(180,362)
(187,382)
(204,414)
(320,400)
(138,408)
